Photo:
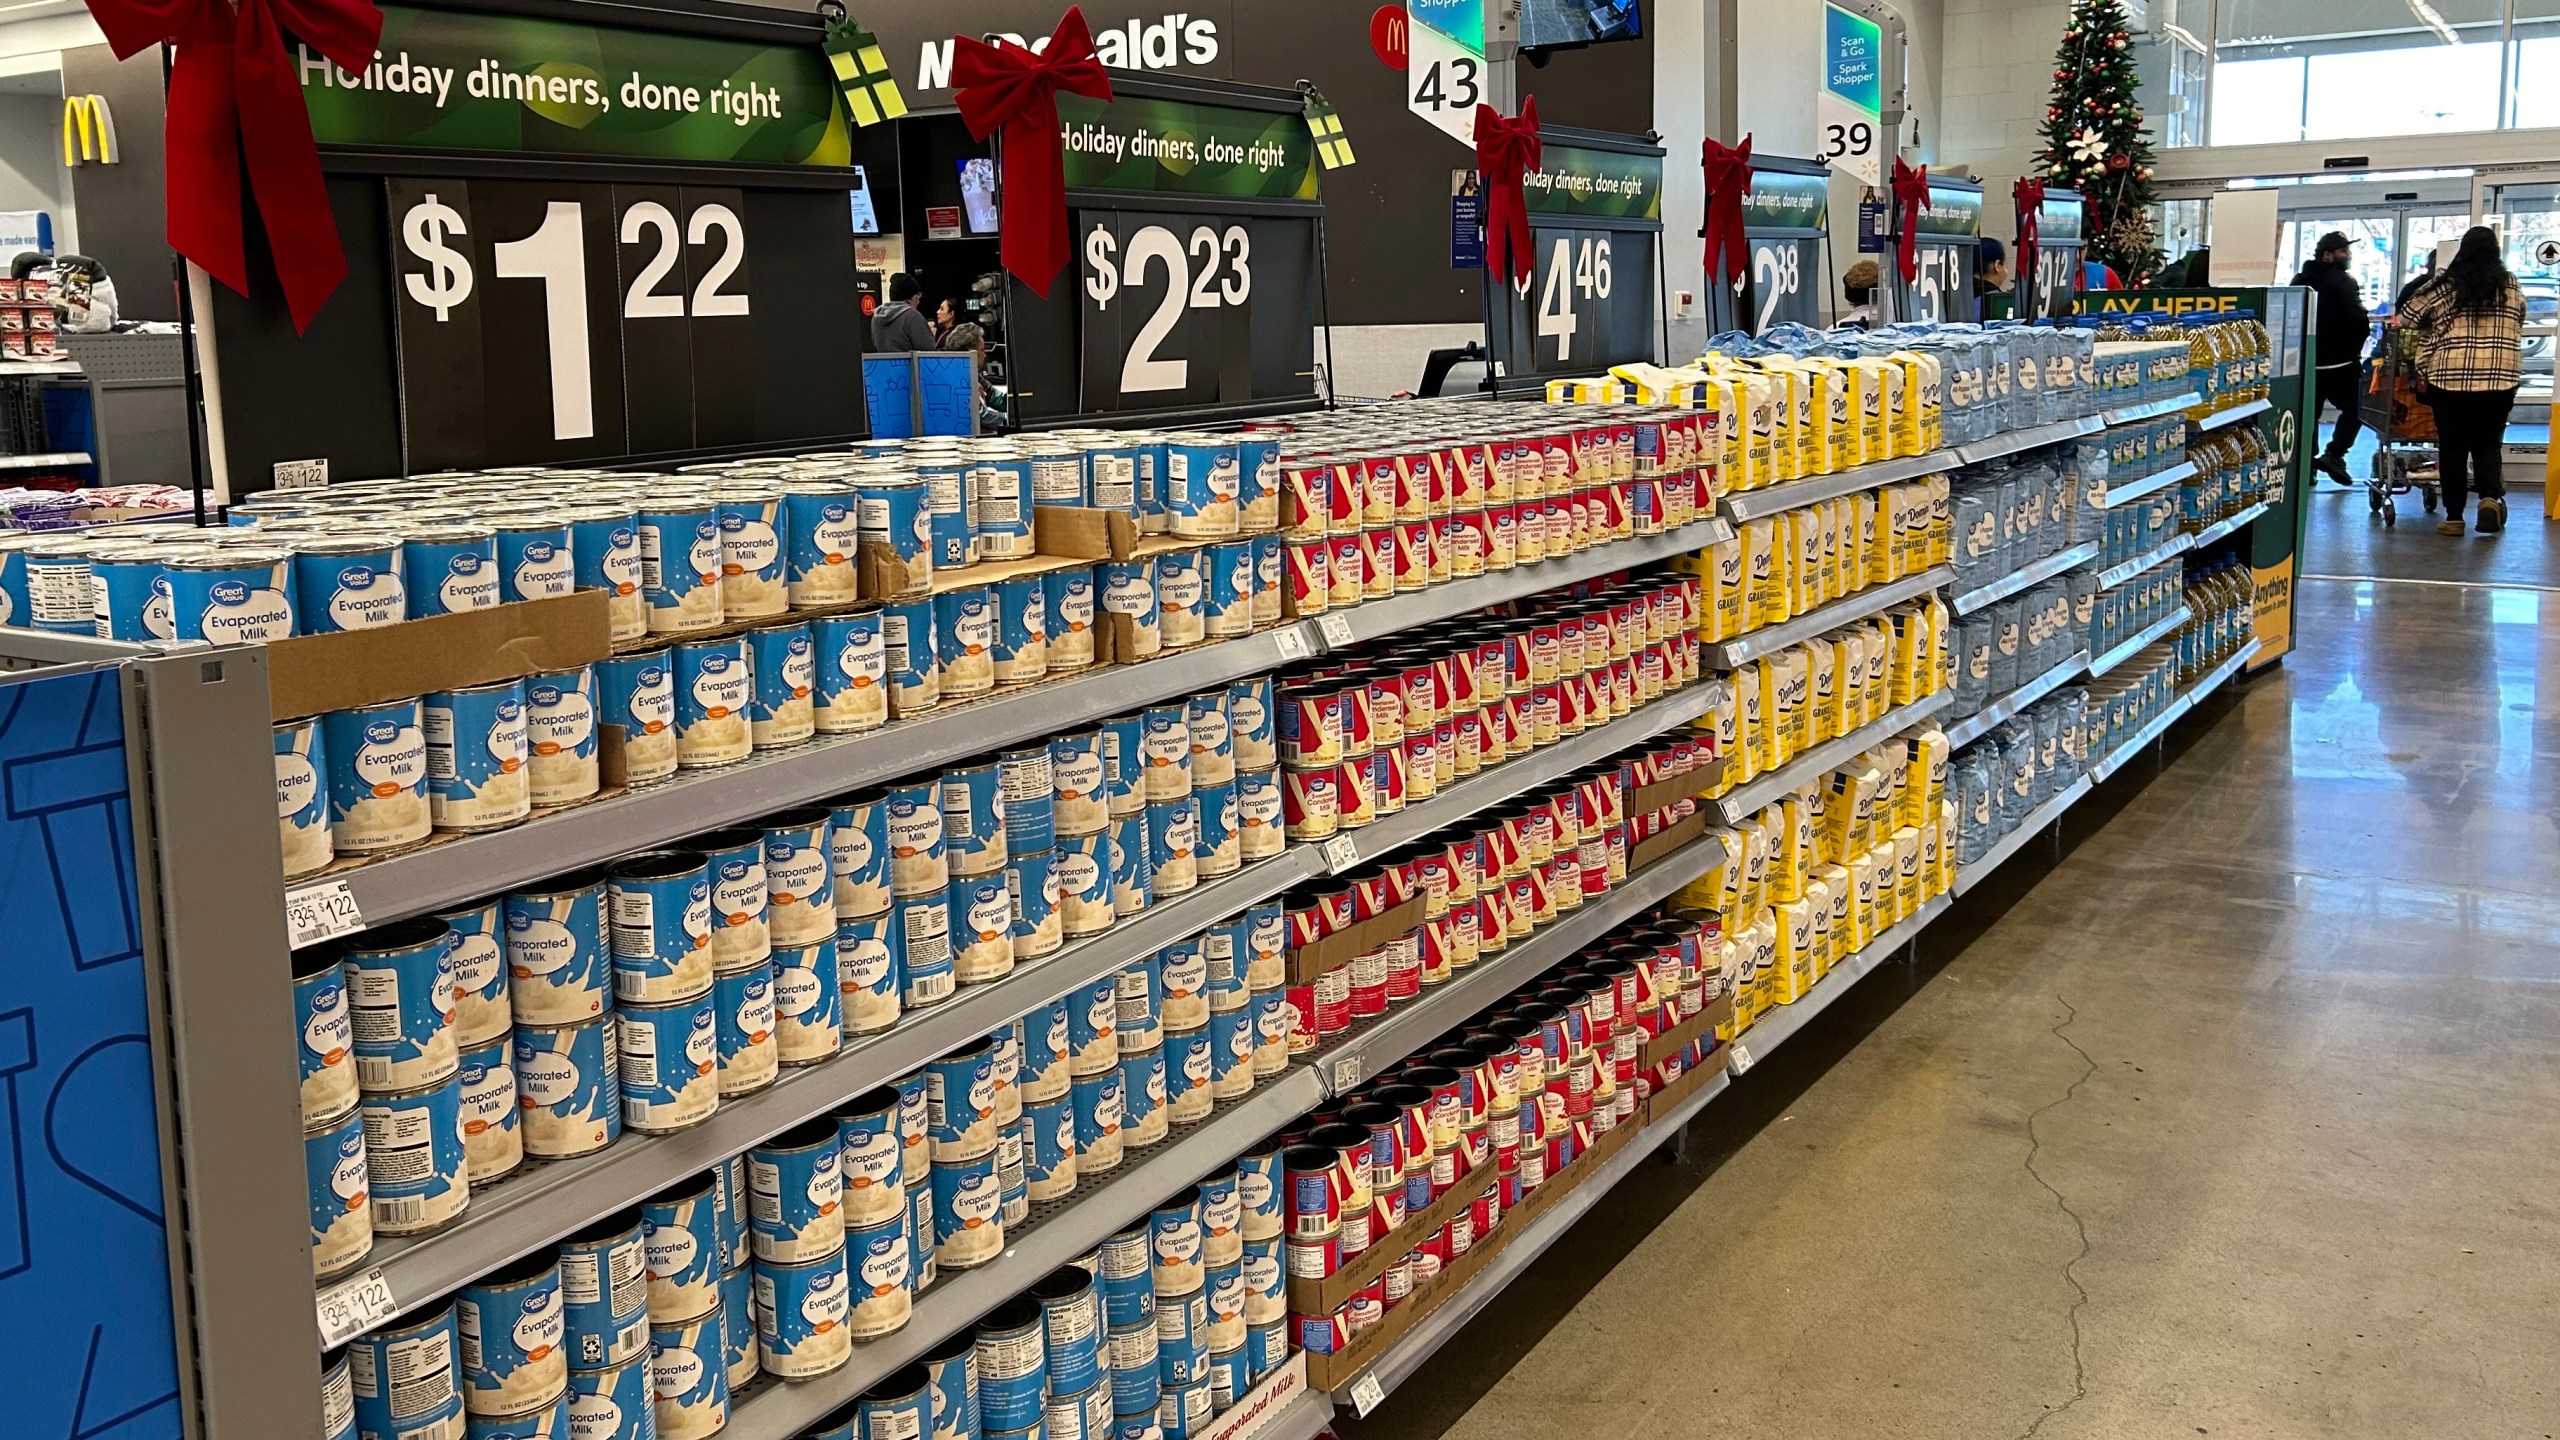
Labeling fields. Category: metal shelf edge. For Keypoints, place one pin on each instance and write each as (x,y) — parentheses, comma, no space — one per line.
(2220,528)
(2236,413)
(1402,1031)
(2031,438)
(63,458)
(1743,648)
(2168,550)
(2150,636)
(2017,580)
(1407,1355)
(2106,766)
(1758,792)
(776,1411)
(1968,876)
(1794,494)
(2151,409)
(1978,724)
(2148,485)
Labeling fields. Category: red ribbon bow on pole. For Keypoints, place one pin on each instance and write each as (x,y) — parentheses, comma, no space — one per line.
(1506,150)
(1910,192)
(234,96)
(1728,179)
(1008,87)
(2028,193)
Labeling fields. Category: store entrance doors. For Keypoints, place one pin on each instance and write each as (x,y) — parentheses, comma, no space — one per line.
(2525,210)
(2393,240)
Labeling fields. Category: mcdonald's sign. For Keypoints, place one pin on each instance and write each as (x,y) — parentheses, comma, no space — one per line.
(88,131)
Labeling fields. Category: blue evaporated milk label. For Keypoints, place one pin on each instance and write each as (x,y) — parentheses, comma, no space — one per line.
(400,981)
(751,558)
(350,584)
(414,1153)
(858,856)
(476,752)
(302,801)
(680,562)
(604,554)
(822,532)
(614,1403)
(131,593)
(661,926)
(405,1380)
(450,569)
(560,736)
(377,766)
(512,1327)
(558,963)
(333,1162)
(783,710)
(670,1063)
(568,1094)
(534,560)
(636,694)
(852,673)
(894,515)
(800,1313)
(907,630)
(689,1375)
(233,596)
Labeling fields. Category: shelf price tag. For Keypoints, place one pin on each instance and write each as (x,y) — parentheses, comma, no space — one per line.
(1741,1057)
(313,913)
(353,1306)
(1347,1072)
(1336,628)
(1367,1395)
(1293,643)
(1341,853)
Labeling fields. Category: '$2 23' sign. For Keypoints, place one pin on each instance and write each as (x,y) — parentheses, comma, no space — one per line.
(1209,271)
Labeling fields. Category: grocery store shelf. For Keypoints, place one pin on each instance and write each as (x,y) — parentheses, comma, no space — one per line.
(1302,1419)
(2017,580)
(1742,649)
(2212,680)
(2220,528)
(1522,1250)
(1056,1235)
(1405,1029)
(1774,499)
(545,1202)
(1368,621)
(2236,413)
(1973,727)
(2148,485)
(2151,634)
(55,460)
(2028,439)
(2175,545)
(1514,777)
(449,872)
(1746,799)
(2151,410)
(1776,1026)
(2010,844)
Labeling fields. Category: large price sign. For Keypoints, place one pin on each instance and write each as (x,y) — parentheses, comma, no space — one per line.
(1190,310)
(1785,219)
(1195,284)
(1595,231)
(2052,281)
(1949,230)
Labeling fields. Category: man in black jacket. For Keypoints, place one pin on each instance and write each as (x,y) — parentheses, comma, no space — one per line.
(899,325)
(2344,327)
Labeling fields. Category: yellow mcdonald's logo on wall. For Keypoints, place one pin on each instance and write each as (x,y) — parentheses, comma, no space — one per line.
(88,131)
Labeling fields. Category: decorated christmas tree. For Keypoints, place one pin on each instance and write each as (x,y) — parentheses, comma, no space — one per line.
(2093,140)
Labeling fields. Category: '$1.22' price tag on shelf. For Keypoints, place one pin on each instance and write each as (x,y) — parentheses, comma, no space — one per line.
(314,913)
(354,1306)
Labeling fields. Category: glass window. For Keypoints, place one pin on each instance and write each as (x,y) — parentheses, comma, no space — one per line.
(2533,82)
(2321,70)
(2258,102)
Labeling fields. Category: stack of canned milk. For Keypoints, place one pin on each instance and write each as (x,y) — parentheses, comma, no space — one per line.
(1526,1086)
(546,1021)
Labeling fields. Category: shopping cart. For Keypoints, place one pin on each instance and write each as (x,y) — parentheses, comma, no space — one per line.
(2404,428)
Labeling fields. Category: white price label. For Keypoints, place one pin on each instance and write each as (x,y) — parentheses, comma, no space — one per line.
(1741,1057)
(302,474)
(1367,1395)
(1346,1073)
(1293,643)
(1341,853)
(1336,628)
(313,913)
(353,1306)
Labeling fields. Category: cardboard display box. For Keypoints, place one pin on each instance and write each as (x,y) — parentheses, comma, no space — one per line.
(1255,1411)
(1659,1105)
(1663,794)
(1336,950)
(1649,852)
(1717,1016)
(314,674)
(1333,1372)
(1324,1296)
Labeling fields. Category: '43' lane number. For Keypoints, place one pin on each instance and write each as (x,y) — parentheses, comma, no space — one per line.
(1213,269)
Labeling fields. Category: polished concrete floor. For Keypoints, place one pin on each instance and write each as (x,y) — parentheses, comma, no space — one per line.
(2240,1118)
(2347,538)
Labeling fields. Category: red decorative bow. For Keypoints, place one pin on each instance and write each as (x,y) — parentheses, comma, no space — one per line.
(1728,179)
(234,96)
(2028,192)
(1506,150)
(1016,89)
(1910,192)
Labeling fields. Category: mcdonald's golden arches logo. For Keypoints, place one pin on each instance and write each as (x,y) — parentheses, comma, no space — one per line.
(88,131)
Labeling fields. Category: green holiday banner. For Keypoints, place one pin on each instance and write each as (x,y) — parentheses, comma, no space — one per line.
(466,80)
(1594,184)
(1951,211)
(1177,147)
(2058,218)
(1786,200)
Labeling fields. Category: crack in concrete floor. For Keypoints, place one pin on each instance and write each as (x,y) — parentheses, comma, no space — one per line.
(2079,1292)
